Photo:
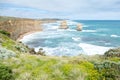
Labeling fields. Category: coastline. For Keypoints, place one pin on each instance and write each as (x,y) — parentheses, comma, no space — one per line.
(17,27)
(27,33)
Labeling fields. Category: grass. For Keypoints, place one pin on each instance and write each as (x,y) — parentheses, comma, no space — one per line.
(36,67)
(32,67)
(10,44)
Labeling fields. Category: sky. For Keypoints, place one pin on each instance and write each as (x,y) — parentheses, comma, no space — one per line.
(65,9)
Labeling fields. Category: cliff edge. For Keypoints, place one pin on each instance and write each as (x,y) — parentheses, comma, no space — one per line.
(19,26)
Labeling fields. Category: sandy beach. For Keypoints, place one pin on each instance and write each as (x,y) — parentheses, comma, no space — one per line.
(27,33)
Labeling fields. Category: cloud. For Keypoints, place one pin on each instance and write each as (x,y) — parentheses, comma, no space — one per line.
(8,9)
(89,9)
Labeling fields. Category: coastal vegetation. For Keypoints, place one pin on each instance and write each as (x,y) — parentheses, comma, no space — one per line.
(19,62)
(5,32)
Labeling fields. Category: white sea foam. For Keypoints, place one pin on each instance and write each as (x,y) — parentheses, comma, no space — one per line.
(89,30)
(76,38)
(115,36)
(107,43)
(71,30)
(66,30)
(51,28)
(59,51)
(54,27)
(69,22)
(93,49)
(30,37)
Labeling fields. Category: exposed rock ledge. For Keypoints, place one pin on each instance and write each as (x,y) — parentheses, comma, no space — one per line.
(20,26)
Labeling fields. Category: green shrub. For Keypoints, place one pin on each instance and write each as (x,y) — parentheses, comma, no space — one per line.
(113,53)
(4,53)
(108,70)
(41,52)
(6,73)
(32,51)
(5,32)
(66,68)
(21,48)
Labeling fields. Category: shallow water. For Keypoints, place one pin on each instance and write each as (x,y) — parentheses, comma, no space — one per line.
(96,38)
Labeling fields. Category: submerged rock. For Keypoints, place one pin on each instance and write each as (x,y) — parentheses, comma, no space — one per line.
(63,25)
(79,27)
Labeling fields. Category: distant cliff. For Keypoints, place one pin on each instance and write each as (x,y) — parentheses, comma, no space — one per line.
(20,26)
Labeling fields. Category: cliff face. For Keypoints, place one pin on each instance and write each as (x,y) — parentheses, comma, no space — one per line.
(17,26)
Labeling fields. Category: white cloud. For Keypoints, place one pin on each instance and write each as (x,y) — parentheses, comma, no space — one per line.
(88,8)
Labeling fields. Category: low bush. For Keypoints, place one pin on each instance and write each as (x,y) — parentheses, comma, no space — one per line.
(41,52)
(21,48)
(32,51)
(113,53)
(6,73)
(4,53)
(5,33)
(108,70)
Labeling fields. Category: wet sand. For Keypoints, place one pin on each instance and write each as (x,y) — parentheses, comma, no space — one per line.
(27,33)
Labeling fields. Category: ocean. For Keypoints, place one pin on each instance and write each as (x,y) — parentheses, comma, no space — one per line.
(97,37)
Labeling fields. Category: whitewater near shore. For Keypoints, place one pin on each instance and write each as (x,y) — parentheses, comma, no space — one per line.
(94,39)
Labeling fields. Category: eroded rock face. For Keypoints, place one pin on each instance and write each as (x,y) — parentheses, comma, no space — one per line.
(19,26)
(79,27)
(63,25)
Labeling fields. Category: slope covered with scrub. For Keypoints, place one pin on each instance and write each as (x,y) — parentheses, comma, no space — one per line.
(21,65)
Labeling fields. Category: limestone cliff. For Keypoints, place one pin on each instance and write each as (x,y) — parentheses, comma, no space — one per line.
(79,27)
(63,25)
(20,26)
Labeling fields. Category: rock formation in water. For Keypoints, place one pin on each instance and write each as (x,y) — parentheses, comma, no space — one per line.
(63,25)
(79,27)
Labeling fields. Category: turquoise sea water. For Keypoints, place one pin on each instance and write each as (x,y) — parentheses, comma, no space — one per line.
(96,37)
(105,32)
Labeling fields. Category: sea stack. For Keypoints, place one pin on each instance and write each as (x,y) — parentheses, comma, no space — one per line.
(79,27)
(63,25)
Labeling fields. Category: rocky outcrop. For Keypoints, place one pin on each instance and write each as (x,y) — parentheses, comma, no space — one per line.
(63,25)
(19,26)
(79,27)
